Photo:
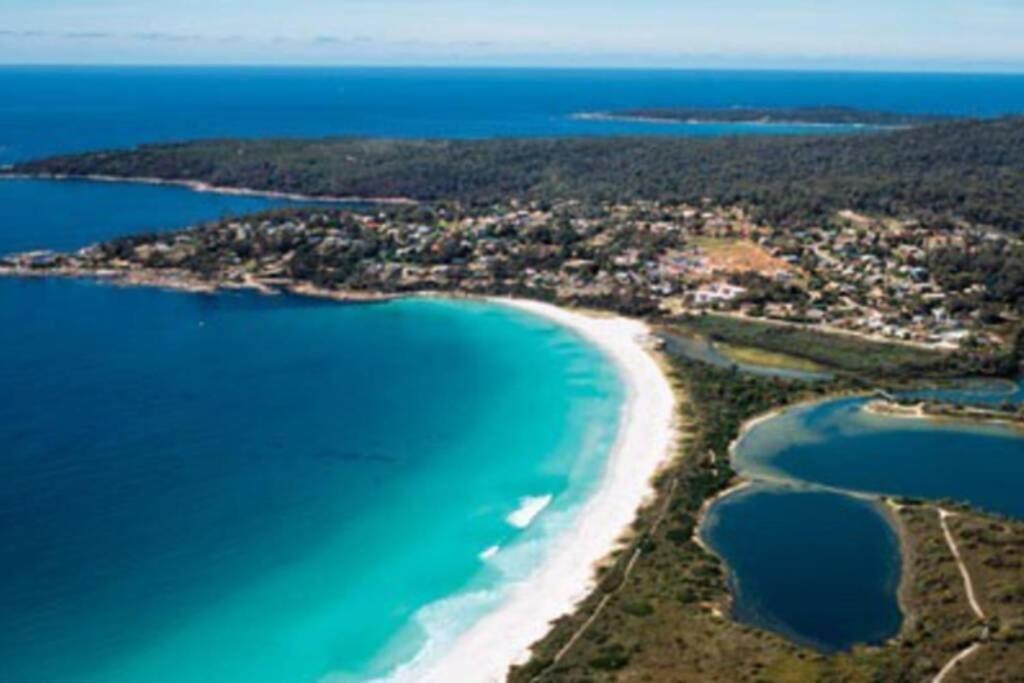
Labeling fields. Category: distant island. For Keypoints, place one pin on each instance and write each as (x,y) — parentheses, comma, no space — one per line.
(824,116)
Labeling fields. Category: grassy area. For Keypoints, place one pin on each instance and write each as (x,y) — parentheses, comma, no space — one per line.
(750,355)
(664,621)
(994,554)
(739,256)
(836,352)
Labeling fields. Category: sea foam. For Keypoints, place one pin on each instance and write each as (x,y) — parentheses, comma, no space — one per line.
(529,508)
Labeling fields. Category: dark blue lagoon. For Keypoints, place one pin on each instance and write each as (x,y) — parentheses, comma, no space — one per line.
(243,488)
(839,444)
(821,568)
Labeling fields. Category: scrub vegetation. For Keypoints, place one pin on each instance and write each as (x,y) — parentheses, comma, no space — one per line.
(660,612)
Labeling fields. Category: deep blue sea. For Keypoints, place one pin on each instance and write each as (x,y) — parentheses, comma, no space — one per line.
(55,110)
(271,489)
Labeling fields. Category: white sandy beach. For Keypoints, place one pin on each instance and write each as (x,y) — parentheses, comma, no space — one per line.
(644,444)
(204,187)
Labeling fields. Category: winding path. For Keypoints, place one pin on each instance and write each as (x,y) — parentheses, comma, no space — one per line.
(609,595)
(952,664)
(968,584)
(971,597)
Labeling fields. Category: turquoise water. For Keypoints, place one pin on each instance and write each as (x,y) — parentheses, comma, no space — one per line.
(820,566)
(271,489)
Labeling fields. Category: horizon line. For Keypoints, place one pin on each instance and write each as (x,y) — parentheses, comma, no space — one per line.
(986,70)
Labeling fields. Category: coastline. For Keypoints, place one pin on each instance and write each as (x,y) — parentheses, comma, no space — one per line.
(739,483)
(891,510)
(919,411)
(183,281)
(644,444)
(200,186)
(627,118)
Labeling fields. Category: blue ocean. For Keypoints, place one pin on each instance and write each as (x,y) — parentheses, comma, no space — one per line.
(49,110)
(226,488)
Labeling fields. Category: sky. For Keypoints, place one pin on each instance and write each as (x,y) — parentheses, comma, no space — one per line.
(940,35)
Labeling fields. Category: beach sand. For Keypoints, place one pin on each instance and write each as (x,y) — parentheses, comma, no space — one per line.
(644,444)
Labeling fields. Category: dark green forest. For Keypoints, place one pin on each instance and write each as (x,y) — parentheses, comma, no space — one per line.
(960,170)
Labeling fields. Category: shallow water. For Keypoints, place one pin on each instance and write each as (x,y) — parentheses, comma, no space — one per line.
(235,488)
(979,392)
(271,489)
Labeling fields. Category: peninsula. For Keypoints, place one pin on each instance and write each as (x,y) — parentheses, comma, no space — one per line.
(797,247)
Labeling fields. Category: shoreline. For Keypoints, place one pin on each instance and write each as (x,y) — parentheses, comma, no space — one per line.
(891,510)
(642,447)
(739,483)
(887,508)
(963,415)
(207,188)
(627,118)
(183,281)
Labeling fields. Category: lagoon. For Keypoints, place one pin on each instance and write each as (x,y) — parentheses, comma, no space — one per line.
(839,444)
(800,549)
(819,567)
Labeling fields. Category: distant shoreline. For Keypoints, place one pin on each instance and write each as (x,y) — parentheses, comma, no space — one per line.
(207,188)
(638,118)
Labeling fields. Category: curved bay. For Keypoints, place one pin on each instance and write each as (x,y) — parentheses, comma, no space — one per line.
(273,489)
